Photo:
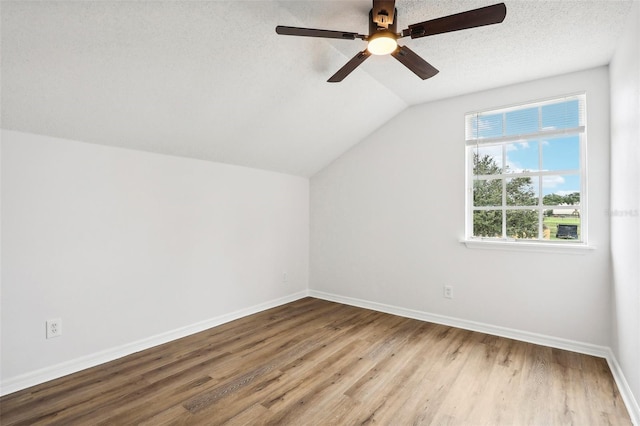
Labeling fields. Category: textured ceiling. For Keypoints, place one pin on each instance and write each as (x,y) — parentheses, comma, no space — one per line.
(212,80)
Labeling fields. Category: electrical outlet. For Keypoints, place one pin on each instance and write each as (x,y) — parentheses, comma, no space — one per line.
(54,328)
(448,292)
(285,278)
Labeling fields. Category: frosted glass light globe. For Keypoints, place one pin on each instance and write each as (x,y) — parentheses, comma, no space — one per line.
(382,44)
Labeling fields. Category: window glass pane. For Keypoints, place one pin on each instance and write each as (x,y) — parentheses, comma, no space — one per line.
(487,192)
(561,153)
(487,160)
(522,191)
(561,226)
(487,223)
(560,190)
(489,126)
(522,121)
(522,224)
(522,156)
(563,115)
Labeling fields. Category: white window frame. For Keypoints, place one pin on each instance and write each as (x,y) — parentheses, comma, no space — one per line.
(473,141)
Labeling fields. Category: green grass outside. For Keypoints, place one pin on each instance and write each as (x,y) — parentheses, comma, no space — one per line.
(553,222)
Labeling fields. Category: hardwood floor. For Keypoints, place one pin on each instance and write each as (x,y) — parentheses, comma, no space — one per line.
(313,362)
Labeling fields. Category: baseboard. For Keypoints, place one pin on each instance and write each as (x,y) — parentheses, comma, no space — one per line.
(73,366)
(633,407)
(538,339)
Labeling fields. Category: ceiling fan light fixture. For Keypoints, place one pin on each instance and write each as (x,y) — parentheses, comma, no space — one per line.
(382,43)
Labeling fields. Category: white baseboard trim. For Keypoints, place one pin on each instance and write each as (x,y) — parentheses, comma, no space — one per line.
(633,407)
(525,336)
(37,377)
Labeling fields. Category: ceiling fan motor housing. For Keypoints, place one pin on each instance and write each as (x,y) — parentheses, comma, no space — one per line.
(383,13)
(375,27)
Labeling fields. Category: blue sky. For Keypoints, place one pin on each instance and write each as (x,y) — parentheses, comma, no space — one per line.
(560,154)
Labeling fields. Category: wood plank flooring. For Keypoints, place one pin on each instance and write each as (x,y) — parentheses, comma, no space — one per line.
(313,362)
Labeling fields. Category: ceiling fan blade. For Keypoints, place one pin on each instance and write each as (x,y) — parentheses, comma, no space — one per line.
(460,21)
(312,32)
(415,63)
(349,66)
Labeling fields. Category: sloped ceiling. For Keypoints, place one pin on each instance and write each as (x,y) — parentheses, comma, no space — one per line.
(212,80)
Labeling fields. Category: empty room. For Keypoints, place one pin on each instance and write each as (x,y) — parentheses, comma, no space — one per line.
(320,212)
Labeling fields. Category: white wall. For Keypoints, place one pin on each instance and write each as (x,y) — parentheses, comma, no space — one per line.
(625,202)
(125,245)
(387,218)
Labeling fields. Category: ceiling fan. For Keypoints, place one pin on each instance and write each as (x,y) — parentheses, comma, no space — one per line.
(383,35)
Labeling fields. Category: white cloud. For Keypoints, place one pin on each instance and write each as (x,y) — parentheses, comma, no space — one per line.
(552,181)
(514,167)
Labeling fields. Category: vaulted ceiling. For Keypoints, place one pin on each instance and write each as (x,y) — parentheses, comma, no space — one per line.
(212,80)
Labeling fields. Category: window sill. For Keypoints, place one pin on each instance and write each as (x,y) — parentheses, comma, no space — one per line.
(519,245)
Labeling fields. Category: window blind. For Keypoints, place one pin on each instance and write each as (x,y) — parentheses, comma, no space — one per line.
(547,118)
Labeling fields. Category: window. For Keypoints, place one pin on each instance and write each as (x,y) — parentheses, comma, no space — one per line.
(526,172)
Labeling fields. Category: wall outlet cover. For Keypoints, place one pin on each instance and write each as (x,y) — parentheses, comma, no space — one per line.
(54,328)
